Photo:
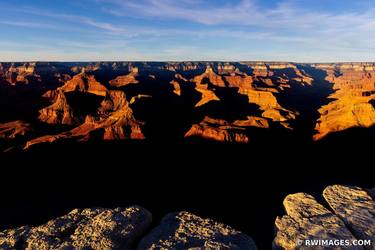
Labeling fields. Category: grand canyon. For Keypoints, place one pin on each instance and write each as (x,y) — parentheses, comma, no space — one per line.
(185,155)
(186,102)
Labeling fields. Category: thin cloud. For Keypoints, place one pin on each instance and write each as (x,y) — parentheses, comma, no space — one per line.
(26,24)
(105,26)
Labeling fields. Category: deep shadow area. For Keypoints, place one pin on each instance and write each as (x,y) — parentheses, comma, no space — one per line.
(242,186)
(349,137)
(231,107)
(167,116)
(83,103)
(306,100)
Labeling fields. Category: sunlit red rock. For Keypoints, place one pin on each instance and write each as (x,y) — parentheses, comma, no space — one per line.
(270,94)
(176,87)
(264,98)
(252,121)
(113,121)
(11,130)
(60,112)
(211,76)
(218,130)
(350,105)
(122,81)
(84,83)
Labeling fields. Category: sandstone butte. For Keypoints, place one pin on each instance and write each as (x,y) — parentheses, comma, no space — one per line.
(268,86)
(349,218)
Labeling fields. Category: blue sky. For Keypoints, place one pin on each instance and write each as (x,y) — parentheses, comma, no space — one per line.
(159,30)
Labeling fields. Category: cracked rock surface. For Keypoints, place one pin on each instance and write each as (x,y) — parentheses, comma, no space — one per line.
(187,231)
(349,216)
(82,229)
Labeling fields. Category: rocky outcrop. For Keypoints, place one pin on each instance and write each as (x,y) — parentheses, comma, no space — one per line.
(11,130)
(187,231)
(125,228)
(83,229)
(218,130)
(306,220)
(355,207)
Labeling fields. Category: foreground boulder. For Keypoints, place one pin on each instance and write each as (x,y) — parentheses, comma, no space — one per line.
(306,219)
(187,231)
(83,229)
(352,219)
(355,207)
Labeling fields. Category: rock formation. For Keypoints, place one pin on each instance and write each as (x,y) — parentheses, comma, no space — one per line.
(352,218)
(218,130)
(114,121)
(11,130)
(122,81)
(15,74)
(60,112)
(84,83)
(202,86)
(187,231)
(83,229)
(263,97)
(306,220)
(355,207)
(125,228)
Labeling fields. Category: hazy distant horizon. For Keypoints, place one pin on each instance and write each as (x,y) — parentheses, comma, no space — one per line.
(188,61)
(188,30)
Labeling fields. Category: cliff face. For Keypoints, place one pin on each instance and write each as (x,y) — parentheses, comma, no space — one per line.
(106,99)
(352,104)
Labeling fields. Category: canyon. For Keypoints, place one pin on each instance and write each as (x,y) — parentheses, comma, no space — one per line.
(43,103)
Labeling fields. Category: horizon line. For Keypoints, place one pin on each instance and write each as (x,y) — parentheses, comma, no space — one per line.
(184,61)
